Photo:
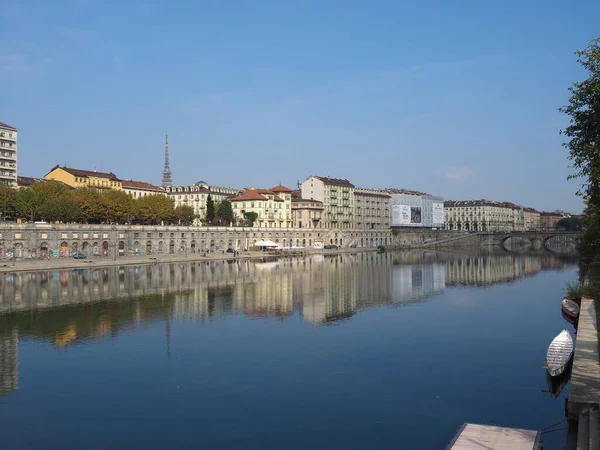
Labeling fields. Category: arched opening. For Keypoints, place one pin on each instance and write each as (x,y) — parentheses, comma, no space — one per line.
(74,248)
(95,250)
(202,246)
(193,246)
(105,248)
(121,248)
(182,247)
(149,248)
(212,245)
(64,249)
(161,247)
(44,250)
(172,247)
(18,250)
(85,247)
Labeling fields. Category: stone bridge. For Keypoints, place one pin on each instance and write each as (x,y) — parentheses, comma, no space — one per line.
(538,239)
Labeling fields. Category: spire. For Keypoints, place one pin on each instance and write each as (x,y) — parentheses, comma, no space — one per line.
(167,179)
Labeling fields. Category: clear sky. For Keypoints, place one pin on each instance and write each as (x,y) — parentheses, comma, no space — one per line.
(454,98)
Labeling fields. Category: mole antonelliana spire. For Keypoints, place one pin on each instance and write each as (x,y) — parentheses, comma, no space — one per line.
(167,176)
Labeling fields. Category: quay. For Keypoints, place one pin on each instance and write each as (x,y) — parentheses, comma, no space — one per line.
(584,394)
(486,437)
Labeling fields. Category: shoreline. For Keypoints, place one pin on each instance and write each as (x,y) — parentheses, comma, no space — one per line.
(9,266)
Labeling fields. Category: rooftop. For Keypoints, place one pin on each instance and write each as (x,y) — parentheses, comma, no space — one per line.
(132,184)
(86,173)
(28,181)
(335,181)
(5,125)
(255,194)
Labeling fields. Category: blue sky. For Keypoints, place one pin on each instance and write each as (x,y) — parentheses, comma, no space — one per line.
(458,99)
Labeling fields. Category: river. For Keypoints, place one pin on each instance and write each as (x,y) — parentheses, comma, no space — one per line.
(392,350)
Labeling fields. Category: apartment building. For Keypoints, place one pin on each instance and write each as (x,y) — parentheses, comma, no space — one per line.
(79,178)
(196,195)
(137,189)
(307,213)
(272,206)
(8,155)
(337,196)
(484,215)
(371,209)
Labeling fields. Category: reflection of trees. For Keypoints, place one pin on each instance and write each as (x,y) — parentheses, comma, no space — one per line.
(9,370)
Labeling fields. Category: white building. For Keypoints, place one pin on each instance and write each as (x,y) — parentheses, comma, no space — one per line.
(196,195)
(8,155)
(337,196)
(272,206)
(137,189)
(484,215)
(416,209)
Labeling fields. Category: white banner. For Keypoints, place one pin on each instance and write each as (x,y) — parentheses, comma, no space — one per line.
(438,213)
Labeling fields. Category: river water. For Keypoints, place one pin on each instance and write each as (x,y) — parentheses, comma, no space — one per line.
(391,350)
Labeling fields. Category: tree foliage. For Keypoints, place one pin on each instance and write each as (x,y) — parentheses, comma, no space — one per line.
(251,217)
(8,202)
(184,215)
(583,143)
(225,212)
(154,210)
(210,209)
(570,224)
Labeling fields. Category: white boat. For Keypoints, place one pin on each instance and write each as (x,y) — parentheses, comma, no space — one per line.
(559,353)
(570,308)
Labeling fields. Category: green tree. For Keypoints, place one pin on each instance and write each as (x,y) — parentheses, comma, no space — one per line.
(184,215)
(251,217)
(225,212)
(90,205)
(56,202)
(570,224)
(8,202)
(28,204)
(118,207)
(583,132)
(210,209)
(583,143)
(154,209)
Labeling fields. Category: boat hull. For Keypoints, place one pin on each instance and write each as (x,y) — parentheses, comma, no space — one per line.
(570,308)
(559,353)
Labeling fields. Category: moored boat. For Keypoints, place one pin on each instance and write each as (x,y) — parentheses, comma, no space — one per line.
(568,318)
(559,353)
(570,308)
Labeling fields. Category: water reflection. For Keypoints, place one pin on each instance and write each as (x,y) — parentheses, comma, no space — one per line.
(70,307)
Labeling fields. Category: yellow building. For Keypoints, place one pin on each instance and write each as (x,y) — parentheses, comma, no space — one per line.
(78,178)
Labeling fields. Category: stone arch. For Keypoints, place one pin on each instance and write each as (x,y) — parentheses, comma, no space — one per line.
(149,248)
(172,247)
(84,246)
(121,248)
(212,245)
(193,246)
(95,250)
(64,249)
(18,253)
(44,250)
(182,247)
(74,248)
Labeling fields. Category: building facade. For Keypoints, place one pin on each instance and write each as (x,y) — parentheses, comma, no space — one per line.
(337,196)
(137,189)
(485,215)
(8,155)
(549,220)
(307,213)
(412,209)
(196,195)
(272,206)
(371,209)
(531,218)
(25,182)
(78,178)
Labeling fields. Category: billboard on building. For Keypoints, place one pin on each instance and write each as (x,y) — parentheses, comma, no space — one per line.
(438,213)
(411,210)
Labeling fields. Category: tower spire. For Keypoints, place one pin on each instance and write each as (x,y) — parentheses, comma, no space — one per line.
(167,176)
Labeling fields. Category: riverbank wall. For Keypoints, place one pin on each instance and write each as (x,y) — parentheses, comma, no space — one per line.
(48,241)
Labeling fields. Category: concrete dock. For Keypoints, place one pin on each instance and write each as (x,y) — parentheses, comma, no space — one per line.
(487,437)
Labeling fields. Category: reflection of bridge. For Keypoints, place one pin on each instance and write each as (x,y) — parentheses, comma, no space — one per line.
(538,239)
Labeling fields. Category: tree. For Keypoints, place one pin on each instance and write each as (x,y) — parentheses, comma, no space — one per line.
(210,209)
(8,202)
(184,215)
(56,202)
(118,207)
(225,212)
(570,224)
(583,143)
(154,209)
(91,208)
(251,217)
(583,131)
(28,204)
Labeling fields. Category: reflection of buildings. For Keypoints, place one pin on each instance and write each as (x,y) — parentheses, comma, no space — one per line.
(9,352)
(483,270)
(417,281)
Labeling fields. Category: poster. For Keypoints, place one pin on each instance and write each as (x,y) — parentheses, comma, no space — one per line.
(438,213)
(415,214)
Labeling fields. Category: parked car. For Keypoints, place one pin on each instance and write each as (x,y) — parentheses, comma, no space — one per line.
(79,255)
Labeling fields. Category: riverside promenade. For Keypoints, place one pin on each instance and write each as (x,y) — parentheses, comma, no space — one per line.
(33,265)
